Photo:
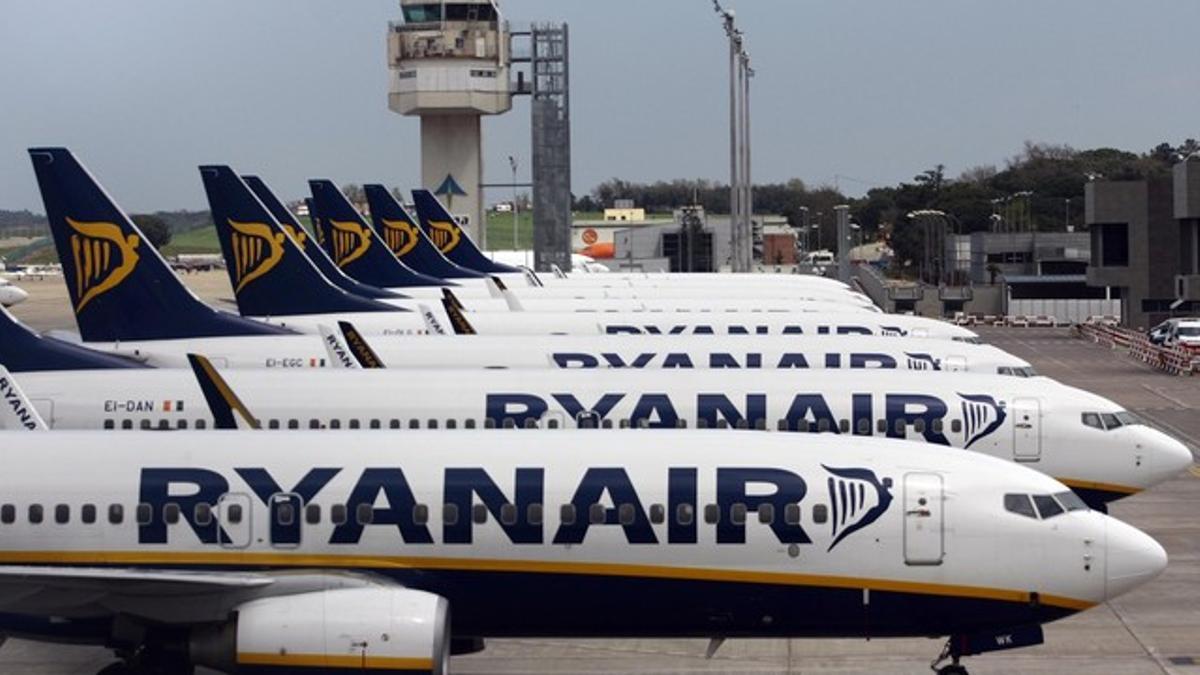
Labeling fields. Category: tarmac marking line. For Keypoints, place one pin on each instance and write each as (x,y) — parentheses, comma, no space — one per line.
(1159,392)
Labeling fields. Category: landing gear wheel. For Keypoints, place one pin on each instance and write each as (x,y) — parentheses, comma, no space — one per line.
(949,653)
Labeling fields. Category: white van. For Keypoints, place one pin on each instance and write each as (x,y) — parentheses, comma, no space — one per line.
(1185,332)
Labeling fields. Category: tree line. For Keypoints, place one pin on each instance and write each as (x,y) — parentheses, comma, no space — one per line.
(1039,188)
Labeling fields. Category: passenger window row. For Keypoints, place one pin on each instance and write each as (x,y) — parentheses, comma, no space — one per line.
(203,514)
(585,421)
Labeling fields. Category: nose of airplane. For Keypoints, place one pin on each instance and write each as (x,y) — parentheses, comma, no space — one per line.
(12,295)
(1133,558)
(1167,456)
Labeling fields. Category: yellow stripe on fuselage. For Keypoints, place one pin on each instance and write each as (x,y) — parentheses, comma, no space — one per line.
(383,563)
(1095,485)
(348,661)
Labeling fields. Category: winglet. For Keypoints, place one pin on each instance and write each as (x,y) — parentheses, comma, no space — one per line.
(363,354)
(510,298)
(531,277)
(339,353)
(448,294)
(226,408)
(17,412)
(457,319)
(432,325)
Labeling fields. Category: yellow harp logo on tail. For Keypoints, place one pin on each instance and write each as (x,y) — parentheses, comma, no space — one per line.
(257,249)
(445,235)
(350,241)
(401,236)
(103,255)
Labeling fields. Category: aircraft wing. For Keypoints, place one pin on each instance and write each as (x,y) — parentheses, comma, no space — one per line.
(89,592)
(170,596)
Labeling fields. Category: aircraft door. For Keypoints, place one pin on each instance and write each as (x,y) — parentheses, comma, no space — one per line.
(588,419)
(233,516)
(955,364)
(923,532)
(284,512)
(1027,429)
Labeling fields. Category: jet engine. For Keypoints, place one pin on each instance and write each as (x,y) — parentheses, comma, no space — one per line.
(384,630)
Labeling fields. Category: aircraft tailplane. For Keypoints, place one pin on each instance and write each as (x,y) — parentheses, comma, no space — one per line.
(269,273)
(356,248)
(451,239)
(407,241)
(120,287)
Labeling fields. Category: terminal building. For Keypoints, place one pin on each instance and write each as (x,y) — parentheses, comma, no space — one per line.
(1145,241)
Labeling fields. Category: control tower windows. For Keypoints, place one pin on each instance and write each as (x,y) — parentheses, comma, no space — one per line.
(426,13)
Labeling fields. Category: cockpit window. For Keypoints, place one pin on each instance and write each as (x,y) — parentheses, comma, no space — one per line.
(1020,505)
(1109,421)
(1127,418)
(1047,506)
(1025,371)
(1071,501)
(969,340)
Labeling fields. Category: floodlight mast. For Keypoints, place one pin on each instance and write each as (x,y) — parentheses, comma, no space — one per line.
(740,197)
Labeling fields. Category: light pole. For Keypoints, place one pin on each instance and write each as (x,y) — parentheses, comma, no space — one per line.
(747,200)
(741,251)
(804,227)
(512,163)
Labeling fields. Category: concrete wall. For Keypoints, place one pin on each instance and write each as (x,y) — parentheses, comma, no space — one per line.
(1065,310)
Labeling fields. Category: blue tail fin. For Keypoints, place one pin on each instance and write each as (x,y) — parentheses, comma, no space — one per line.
(270,275)
(445,232)
(407,240)
(314,252)
(355,247)
(22,351)
(121,288)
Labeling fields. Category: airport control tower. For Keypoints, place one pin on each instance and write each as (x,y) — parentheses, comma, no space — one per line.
(449,63)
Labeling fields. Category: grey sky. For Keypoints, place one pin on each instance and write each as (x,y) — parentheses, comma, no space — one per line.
(146,90)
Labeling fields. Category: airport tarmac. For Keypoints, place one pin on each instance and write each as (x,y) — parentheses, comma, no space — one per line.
(1155,629)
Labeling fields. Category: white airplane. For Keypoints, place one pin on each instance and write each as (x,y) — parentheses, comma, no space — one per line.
(1086,441)
(586,351)
(265,552)
(22,350)
(10,294)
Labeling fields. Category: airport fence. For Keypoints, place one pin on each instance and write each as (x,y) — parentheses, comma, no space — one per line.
(1176,360)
